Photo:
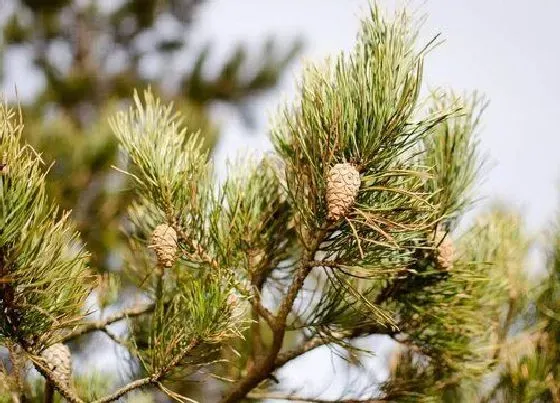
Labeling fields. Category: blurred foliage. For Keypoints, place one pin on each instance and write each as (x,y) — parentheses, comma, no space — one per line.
(92,55)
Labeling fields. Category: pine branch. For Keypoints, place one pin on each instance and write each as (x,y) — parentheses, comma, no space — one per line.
(17,361)
(48,394)
(72,397)
(266,365)
(114,337)
(100,325)
(280,396)
(503,332)
(64,390)
(153,380)
(257,310)
(316,342)
(261,310)
(288,356)
(125,389)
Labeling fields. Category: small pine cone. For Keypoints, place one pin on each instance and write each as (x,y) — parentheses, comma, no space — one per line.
(232,300)
(445,254)
(255,257)
(164,242)
(59,361)
(343,183)
(235,306)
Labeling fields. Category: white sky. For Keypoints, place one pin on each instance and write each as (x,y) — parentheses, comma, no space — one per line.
(507,49)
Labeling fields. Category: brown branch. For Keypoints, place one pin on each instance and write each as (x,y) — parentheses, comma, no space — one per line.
(280,396)
(316,342)
(262,310)
(152,380)
(15,354)
(258,270)
(288,356)
(63,389)
(114,338)
(266,365)
(125,389)
(48,393)
(503,332)
(100,325)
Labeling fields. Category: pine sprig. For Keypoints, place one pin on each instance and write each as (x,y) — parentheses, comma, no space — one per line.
(363,109)
(192,304)
(170,167)
(452,151)
(254,227)
(42,262)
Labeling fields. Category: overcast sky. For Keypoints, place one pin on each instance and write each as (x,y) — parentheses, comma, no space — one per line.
(507,49)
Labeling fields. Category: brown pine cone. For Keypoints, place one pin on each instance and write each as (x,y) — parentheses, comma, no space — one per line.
(164,242)
(59,361)
(445,254)
(343,183)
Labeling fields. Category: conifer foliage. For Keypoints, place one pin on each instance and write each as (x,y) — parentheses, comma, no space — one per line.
(343,232)
(43,274)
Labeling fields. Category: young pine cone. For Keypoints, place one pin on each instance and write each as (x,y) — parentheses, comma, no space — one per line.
(445,254)
(59,361)
(164,242)
(343,183)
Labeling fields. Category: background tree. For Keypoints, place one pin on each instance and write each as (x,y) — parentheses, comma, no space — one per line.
(91,56)
(347,230)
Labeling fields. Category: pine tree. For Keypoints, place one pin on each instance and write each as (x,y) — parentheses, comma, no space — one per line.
(348,229)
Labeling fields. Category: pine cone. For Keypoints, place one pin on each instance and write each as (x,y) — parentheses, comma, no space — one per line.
(255,257)
(59,361)
(445,253)
(232,300)
(343,183)
(164,241)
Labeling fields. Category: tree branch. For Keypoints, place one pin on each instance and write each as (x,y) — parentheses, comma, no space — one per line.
(63,389)
(261,309)
(280,396)
(15,354)
(316,342)
(72,397)
(266,365)
(288,356)
(503,331)
(153,380)
(100,325)
(48,392)
(125,389)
